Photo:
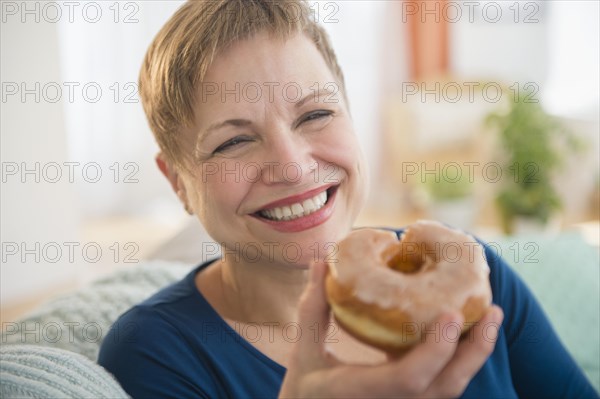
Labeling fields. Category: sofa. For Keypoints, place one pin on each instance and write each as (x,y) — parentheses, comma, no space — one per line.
(51,352)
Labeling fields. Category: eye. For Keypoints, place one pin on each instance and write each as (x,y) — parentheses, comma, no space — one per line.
(232,143)
(315,115)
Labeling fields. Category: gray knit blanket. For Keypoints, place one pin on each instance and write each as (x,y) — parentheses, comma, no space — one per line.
(31,371)
(51,352)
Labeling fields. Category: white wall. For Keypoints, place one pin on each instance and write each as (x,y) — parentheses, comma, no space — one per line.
(33,213)
(503,41)
(573,85)
(63,48)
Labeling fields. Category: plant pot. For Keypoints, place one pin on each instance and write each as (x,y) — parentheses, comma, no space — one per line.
(523,225)
(457,213)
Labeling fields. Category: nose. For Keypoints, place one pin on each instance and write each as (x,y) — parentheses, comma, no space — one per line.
(287,159)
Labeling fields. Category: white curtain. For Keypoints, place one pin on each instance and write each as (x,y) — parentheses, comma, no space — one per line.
(105,121)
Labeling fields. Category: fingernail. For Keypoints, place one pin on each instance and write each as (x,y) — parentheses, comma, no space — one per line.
(497,315)
(495,322)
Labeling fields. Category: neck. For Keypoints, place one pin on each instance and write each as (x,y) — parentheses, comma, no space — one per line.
(262,292)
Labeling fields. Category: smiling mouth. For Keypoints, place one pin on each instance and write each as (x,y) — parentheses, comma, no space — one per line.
(299,209)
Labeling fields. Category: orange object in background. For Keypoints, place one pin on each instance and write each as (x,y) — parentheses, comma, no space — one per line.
(428,38)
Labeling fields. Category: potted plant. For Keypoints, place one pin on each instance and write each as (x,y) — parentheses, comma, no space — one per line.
(533,145)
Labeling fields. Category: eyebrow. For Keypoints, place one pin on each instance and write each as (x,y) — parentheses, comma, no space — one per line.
(245,122)
(315,95)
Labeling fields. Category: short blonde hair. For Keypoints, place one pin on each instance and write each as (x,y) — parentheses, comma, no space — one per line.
(183,50)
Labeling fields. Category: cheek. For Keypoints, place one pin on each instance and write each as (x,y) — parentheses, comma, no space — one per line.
(221,192)
(344,150)
(340,146)
(360,183)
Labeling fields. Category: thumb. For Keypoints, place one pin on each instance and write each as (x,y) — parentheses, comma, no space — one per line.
(309,352)
(313,312)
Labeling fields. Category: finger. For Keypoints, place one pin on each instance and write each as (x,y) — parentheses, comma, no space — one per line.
(309,353)
(313,312)
(413,373)
(471,354)
(331,358)
(397,355)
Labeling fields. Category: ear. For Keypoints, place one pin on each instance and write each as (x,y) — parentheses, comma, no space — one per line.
(173,176)
(168,170)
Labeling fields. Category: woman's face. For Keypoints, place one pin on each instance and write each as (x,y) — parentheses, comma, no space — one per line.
(278,174)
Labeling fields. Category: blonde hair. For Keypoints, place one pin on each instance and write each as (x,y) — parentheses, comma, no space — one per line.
(181,53)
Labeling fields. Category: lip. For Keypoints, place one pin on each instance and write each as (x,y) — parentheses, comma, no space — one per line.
(305,222)
(295,198)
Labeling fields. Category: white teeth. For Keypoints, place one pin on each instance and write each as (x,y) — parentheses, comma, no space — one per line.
(287,212)
(278,213)
(320,199)
(309,205)
(297,210)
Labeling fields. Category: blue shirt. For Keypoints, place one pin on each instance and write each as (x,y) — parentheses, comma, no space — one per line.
(175,345)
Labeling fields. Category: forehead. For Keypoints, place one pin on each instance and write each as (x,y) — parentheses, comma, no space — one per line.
(263,63)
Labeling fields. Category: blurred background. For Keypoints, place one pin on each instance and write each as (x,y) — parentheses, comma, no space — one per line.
(482,114)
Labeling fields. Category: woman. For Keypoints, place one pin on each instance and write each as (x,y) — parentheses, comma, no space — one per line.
(248,105)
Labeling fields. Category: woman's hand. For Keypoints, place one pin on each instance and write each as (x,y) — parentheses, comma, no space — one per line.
(435,368)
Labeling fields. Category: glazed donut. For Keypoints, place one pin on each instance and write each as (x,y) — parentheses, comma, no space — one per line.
(388,292)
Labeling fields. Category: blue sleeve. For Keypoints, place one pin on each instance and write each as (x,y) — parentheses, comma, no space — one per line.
(150,359)
(540,365)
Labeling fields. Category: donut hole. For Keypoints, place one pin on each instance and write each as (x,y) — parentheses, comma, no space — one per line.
(406,263)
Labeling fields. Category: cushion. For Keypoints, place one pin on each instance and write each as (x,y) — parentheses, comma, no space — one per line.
(31,371)
(562,271)
(79,321)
